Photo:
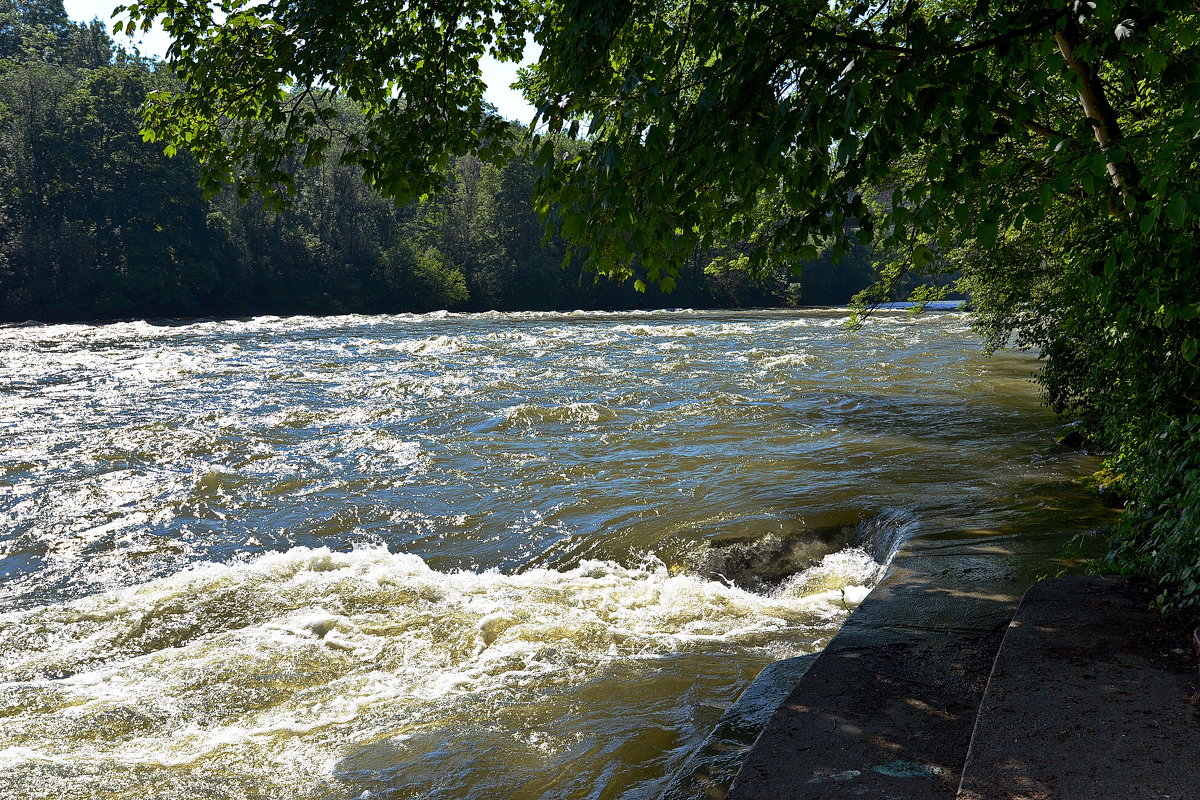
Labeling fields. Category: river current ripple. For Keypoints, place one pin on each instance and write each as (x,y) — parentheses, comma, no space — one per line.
(464,556)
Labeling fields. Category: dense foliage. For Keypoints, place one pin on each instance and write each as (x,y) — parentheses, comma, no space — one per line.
(95,222)
(1047,149)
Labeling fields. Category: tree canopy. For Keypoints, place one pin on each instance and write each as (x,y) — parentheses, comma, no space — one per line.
(97,223)
(1048,150)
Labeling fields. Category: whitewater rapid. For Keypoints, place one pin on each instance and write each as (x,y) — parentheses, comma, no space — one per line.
(463,556)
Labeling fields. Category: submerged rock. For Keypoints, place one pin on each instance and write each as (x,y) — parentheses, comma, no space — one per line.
(1073,436)
(763,563)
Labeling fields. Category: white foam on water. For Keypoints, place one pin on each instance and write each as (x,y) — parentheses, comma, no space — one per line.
(270,665)
(125,331)
(786,360)
(436,346)
(578,413)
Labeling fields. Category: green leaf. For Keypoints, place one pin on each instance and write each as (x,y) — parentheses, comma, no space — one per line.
(921,257)
(1177,210)
(986,233)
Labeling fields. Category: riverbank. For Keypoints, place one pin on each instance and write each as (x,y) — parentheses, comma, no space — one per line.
(888,708)
(1091,693)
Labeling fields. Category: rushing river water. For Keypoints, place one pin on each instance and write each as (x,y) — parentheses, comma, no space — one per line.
(464,556)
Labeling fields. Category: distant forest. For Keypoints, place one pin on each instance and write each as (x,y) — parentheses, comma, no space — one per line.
(95,223)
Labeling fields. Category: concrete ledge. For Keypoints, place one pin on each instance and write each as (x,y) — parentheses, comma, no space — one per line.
(1092,696)
(708,773)
(888,708)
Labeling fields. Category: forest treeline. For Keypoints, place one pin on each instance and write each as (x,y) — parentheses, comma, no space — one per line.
(96,223)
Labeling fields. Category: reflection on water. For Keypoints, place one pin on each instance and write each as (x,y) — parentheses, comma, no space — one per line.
(452,556)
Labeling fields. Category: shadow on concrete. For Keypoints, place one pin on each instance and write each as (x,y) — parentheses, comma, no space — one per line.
(1092,695)
(888,708)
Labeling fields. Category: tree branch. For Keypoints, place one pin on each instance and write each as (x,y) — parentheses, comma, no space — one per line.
(985,44)
(1031,125)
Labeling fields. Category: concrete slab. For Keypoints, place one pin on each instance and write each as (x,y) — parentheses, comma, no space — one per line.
(1092,696)
(887,709)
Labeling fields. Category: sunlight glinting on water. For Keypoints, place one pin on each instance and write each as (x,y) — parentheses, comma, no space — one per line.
(455,556)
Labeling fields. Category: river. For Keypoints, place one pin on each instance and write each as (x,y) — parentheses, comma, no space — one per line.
(465,556)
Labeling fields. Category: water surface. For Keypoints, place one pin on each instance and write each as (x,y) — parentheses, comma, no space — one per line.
(465,556)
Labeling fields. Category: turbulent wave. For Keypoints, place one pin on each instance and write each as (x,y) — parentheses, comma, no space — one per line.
(529,414)
(805,558)
(291,658)
(668,322)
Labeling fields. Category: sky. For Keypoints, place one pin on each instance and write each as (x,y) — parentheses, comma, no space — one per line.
(499,76)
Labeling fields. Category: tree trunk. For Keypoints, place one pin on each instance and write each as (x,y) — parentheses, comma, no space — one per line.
(1095,104)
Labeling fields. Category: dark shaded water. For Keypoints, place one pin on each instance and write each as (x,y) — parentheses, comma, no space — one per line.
(452,556)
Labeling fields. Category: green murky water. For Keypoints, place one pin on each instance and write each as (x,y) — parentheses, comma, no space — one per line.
(464,556)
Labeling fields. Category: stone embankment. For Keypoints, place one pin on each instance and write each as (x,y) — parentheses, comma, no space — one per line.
(945,683)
